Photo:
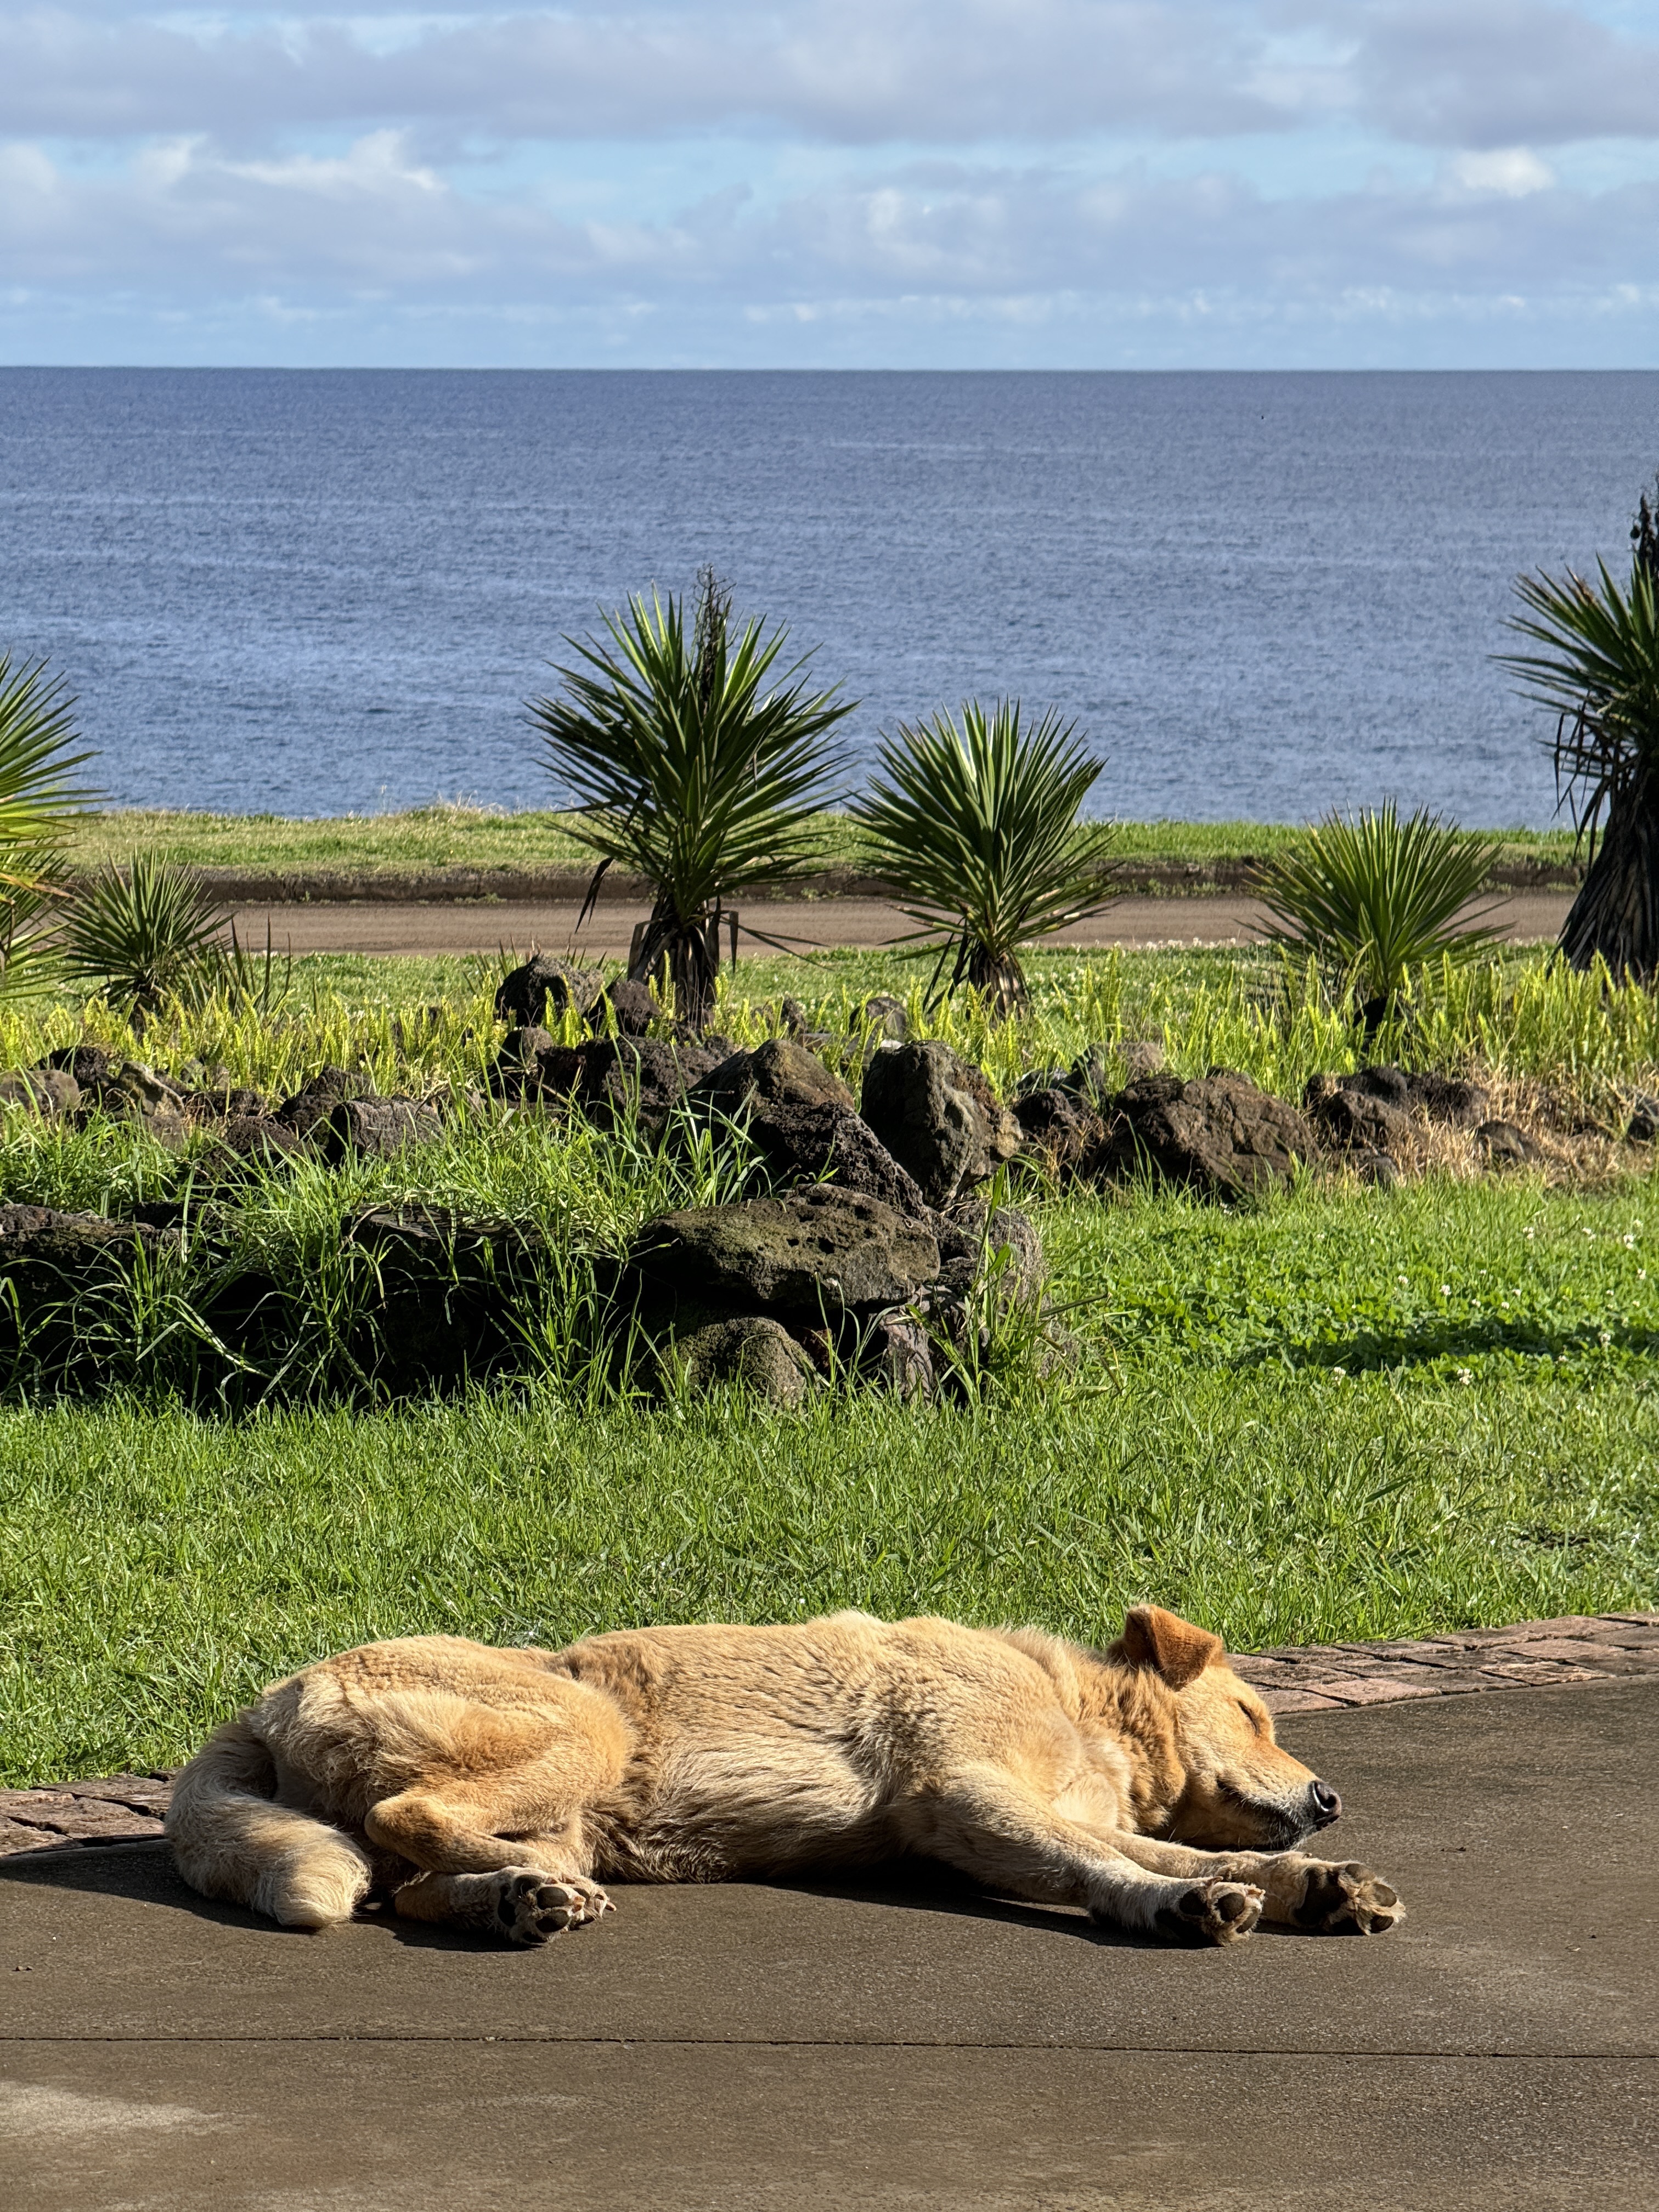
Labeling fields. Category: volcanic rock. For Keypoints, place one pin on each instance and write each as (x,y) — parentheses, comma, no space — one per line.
(1441,1098)
(1005,1239)
(1061,1128)
(608,1079)
(817,1254)
(899,1353)
(1220,1135)
(1356,1119)
(133,1090)
(89,1064)
(1504,1144)
(939,1117)
(522,997)
(753,1350)
(887,1016)
(821,1143)
(260,1137)
(317,1097)
(1378,1168)
(632,1008)
(447,1292)
(47,1091)
(66,1241)
(777,1073)
(376,1128)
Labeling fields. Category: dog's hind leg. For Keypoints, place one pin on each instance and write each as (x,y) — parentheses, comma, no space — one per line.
(504,1856)
(519,1904)
(1315,1893)
(500,1847)
(986,1823)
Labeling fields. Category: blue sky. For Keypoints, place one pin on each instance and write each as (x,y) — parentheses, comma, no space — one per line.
(877,184)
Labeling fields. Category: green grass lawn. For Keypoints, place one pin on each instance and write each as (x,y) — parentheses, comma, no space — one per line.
(1335,1416)
(446,836)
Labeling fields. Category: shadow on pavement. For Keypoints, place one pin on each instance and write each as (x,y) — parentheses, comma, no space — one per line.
(143,1873)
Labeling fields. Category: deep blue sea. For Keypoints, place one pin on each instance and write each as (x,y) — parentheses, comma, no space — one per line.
(1262,595)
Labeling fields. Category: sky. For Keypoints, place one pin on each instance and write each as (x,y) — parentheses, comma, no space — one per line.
(872,184)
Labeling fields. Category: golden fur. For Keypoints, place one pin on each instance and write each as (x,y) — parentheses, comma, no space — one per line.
(498,1789)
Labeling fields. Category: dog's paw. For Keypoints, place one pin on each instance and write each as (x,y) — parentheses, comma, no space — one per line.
(530,1906)
(1348,1900)
(1213,1911)
(592,1902)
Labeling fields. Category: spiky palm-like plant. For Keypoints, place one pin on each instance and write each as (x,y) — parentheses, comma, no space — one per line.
(1370,898)
(1599,671)
(696,766)
(150,932)
(976,828)
(39,801)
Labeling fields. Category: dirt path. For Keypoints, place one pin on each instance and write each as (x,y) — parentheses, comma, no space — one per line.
(801,925)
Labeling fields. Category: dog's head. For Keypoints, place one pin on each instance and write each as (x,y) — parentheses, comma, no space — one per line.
(1241,1791)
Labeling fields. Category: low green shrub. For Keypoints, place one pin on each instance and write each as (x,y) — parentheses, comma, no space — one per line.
(1373,900)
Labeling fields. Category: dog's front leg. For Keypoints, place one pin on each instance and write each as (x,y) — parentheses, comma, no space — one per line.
(1329,1898)
(986,1824)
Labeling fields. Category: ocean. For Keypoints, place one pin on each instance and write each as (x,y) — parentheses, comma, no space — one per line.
(1261,595)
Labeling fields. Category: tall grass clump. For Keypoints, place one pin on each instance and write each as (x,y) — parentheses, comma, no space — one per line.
(974,824)
(695,765)
(266,1292)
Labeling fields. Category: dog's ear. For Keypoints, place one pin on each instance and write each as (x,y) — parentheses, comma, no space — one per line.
(1169,1645)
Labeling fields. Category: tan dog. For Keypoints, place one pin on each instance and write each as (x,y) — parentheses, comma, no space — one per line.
(496,1788)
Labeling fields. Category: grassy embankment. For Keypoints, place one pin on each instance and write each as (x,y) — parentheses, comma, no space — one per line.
(1342,1413)
(443,839)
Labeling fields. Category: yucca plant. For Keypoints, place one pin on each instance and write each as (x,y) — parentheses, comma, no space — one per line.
(1370,898)
(694,764)
(144,934)
(1599,671)
(39,802)
(975,827)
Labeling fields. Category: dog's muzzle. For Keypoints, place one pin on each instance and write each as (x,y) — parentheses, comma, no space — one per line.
(1324,1805)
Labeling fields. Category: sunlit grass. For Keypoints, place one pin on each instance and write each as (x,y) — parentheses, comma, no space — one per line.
(157,1568)
(415,1023)
(458,833)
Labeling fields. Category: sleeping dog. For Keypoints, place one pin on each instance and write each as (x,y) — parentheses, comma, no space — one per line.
(498,1790)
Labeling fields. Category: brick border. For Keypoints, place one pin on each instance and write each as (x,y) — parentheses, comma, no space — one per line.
(1532,1654)
(1607,1647)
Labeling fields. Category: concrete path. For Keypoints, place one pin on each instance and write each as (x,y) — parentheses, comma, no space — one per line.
(808,924)
(756,2049)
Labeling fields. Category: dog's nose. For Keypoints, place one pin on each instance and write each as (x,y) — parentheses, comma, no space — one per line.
(1328,1806)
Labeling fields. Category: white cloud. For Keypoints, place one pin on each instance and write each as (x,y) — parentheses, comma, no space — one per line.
(1513,170)
(1486,73)
(377,164)
(1022,168)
